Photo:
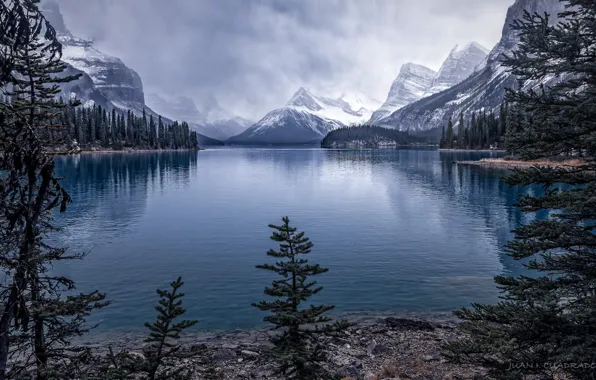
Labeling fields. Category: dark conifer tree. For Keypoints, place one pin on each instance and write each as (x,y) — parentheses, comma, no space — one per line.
(298,349)
(460,132)
(33,308)
(545,325)
(163,356)
(449,141)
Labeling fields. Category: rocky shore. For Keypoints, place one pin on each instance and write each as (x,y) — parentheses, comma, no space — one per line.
(77,150)
(388,348)
(501,163)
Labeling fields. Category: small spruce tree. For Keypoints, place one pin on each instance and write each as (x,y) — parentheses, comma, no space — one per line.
(162,357)
(297,349)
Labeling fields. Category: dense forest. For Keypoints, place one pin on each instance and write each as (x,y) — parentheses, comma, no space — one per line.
(482,131)
(88,127)
(369,136)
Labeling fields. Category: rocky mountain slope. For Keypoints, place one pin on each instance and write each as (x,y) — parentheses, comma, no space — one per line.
(458,66)
(410,85)
(307,118)
(210,119)
(485,88)
(415,82)
(105,79)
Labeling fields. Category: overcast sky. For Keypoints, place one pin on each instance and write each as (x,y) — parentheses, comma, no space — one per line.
(252,55)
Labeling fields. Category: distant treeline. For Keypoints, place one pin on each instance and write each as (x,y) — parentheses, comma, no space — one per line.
(96,127)
(369,136)
(482,131)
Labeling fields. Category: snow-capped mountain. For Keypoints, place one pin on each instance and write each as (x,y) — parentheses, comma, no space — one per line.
(210,119)
(415,82)
(485,88)
(307,118)
(410,85)
(458,66)
(346,109)
(112,81)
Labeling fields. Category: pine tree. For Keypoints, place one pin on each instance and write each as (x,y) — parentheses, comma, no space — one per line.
(449,142)
(297,349)
(20,22)
(161,133)
(545,324)
(163,356)
(460,132)
(33,309)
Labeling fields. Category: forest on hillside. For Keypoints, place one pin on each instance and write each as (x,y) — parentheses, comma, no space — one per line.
(370,137)
(95,127)
(482,130)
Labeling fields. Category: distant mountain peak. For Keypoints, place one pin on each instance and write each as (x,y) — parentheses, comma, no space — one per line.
(304,98)
(469,46)
(411,83)
(416,69)
(460,64)
(484,88)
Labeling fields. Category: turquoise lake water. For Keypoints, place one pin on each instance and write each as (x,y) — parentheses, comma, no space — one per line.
(405,231)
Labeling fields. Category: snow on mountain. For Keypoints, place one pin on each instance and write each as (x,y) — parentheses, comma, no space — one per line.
(410,85)
(307,118)
(118,84)
(209,119)
(415,82)
(483,89)
(459,65)
(347,108)
(287,125)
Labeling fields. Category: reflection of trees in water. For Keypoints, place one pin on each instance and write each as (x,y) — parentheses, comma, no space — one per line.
(479,190)
(112,188)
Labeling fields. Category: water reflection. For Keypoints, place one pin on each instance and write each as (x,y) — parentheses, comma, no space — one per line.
(400,230)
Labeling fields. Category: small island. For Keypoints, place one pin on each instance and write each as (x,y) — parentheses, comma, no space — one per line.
(370,137)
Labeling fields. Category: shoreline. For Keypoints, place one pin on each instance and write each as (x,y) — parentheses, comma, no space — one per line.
(407,345)
(499,163)
(357,318)
(474,150)
(104,150)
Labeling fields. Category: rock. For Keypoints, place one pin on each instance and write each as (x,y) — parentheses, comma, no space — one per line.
(339,341)
(408,324)
(251,354)
(230,346)
(431,358)
(224,354)
(376,349)
(348,371)
(360,355)
(260,373)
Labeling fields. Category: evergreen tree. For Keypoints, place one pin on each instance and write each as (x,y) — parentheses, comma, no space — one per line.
(297,348)
(449,142)
(545,325)
(460,132)
(34,312)
(161,133)
(163,356)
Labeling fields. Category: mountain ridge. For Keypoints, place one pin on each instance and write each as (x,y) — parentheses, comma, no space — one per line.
(307,118)
(483,89)
(415,82)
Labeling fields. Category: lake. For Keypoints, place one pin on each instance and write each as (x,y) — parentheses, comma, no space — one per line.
(404,231)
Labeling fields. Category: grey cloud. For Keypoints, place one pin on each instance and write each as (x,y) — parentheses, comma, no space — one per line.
(253,54)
